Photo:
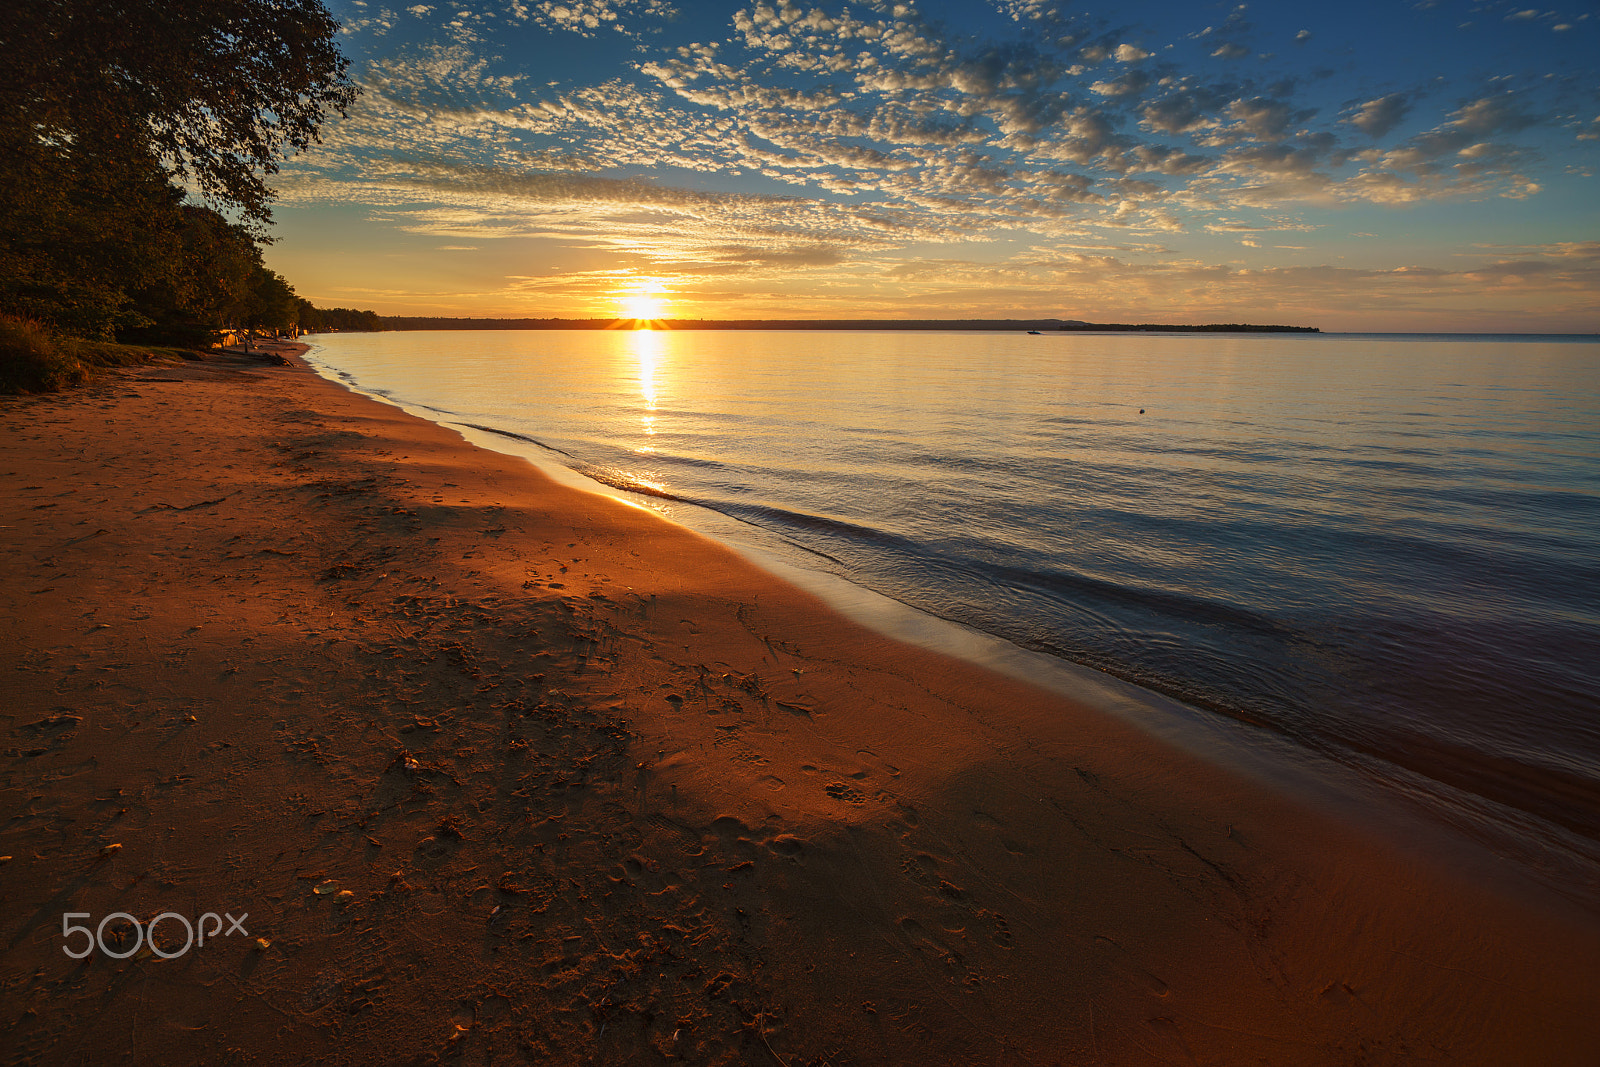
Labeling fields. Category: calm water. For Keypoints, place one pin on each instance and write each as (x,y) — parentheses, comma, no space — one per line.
(1383,548)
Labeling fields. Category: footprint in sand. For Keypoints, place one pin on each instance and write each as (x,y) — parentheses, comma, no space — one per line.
(873,759)
(788,845)
(932,948)
(840,791)
(432,851)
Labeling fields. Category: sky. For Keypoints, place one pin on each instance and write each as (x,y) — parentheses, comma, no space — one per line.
(1366,166)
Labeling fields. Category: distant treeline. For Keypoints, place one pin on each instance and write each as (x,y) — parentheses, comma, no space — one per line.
(1215,327)
(347,320)
(416,322)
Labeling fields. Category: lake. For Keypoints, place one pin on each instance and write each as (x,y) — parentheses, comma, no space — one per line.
(1383,551)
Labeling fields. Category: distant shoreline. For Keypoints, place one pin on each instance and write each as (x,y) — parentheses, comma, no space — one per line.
(416,322)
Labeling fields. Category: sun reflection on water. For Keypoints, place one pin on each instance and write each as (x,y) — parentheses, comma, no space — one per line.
(647,346)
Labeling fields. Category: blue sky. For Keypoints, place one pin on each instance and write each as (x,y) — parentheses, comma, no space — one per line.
(1357,166)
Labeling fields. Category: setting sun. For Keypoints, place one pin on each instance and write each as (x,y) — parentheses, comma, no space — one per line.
(644,302)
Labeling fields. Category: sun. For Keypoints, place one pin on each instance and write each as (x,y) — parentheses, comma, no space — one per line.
(641,306)
(643,300)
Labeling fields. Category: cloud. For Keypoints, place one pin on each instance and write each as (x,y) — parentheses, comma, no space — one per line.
(1184,110)
(1131,84)
(1377,117)
(587,17)
(1261,118)
(871,128)
(1492,115)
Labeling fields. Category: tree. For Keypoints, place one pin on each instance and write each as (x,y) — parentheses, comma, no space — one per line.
(80,231)
(311,319)
(103,103)
(217,90)
(271,303)
(348,319)
(207,288)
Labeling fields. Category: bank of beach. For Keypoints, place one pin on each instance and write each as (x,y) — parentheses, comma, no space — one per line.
(600,790)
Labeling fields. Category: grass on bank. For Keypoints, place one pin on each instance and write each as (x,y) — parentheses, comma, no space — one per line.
(35,360)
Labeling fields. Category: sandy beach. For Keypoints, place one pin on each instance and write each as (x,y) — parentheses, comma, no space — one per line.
(499,771)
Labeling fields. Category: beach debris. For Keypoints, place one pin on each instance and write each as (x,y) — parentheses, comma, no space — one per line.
(110,850)
(406,762)
(262,944)
(420,723)
(344,896)
(322,889)
(758,1024)
(54,722)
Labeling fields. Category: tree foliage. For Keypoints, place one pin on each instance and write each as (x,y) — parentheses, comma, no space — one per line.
(81,232)
(207,287)
(349,320)
(105,106)
(271,305)
(217,90)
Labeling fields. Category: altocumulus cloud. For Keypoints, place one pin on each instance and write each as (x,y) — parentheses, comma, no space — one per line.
(822,138)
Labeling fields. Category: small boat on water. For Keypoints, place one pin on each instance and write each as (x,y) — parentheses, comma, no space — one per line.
(1035,333)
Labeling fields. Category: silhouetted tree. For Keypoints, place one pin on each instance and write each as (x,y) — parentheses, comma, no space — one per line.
(206,290)
(271,304)
(350,320)
(218,90)
(81,231)
(104,102)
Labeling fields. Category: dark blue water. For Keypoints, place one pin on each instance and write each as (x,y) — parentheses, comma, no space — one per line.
(1384,548)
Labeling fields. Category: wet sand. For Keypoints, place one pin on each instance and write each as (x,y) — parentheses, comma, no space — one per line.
(506,772)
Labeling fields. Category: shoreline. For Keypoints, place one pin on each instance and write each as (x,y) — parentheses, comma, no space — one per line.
(335,643)
(1036,325)
(1393,792)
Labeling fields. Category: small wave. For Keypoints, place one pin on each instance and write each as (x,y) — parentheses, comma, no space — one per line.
(517,437)
(1164,603)
(754,513)
(689,461)
(622,480)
